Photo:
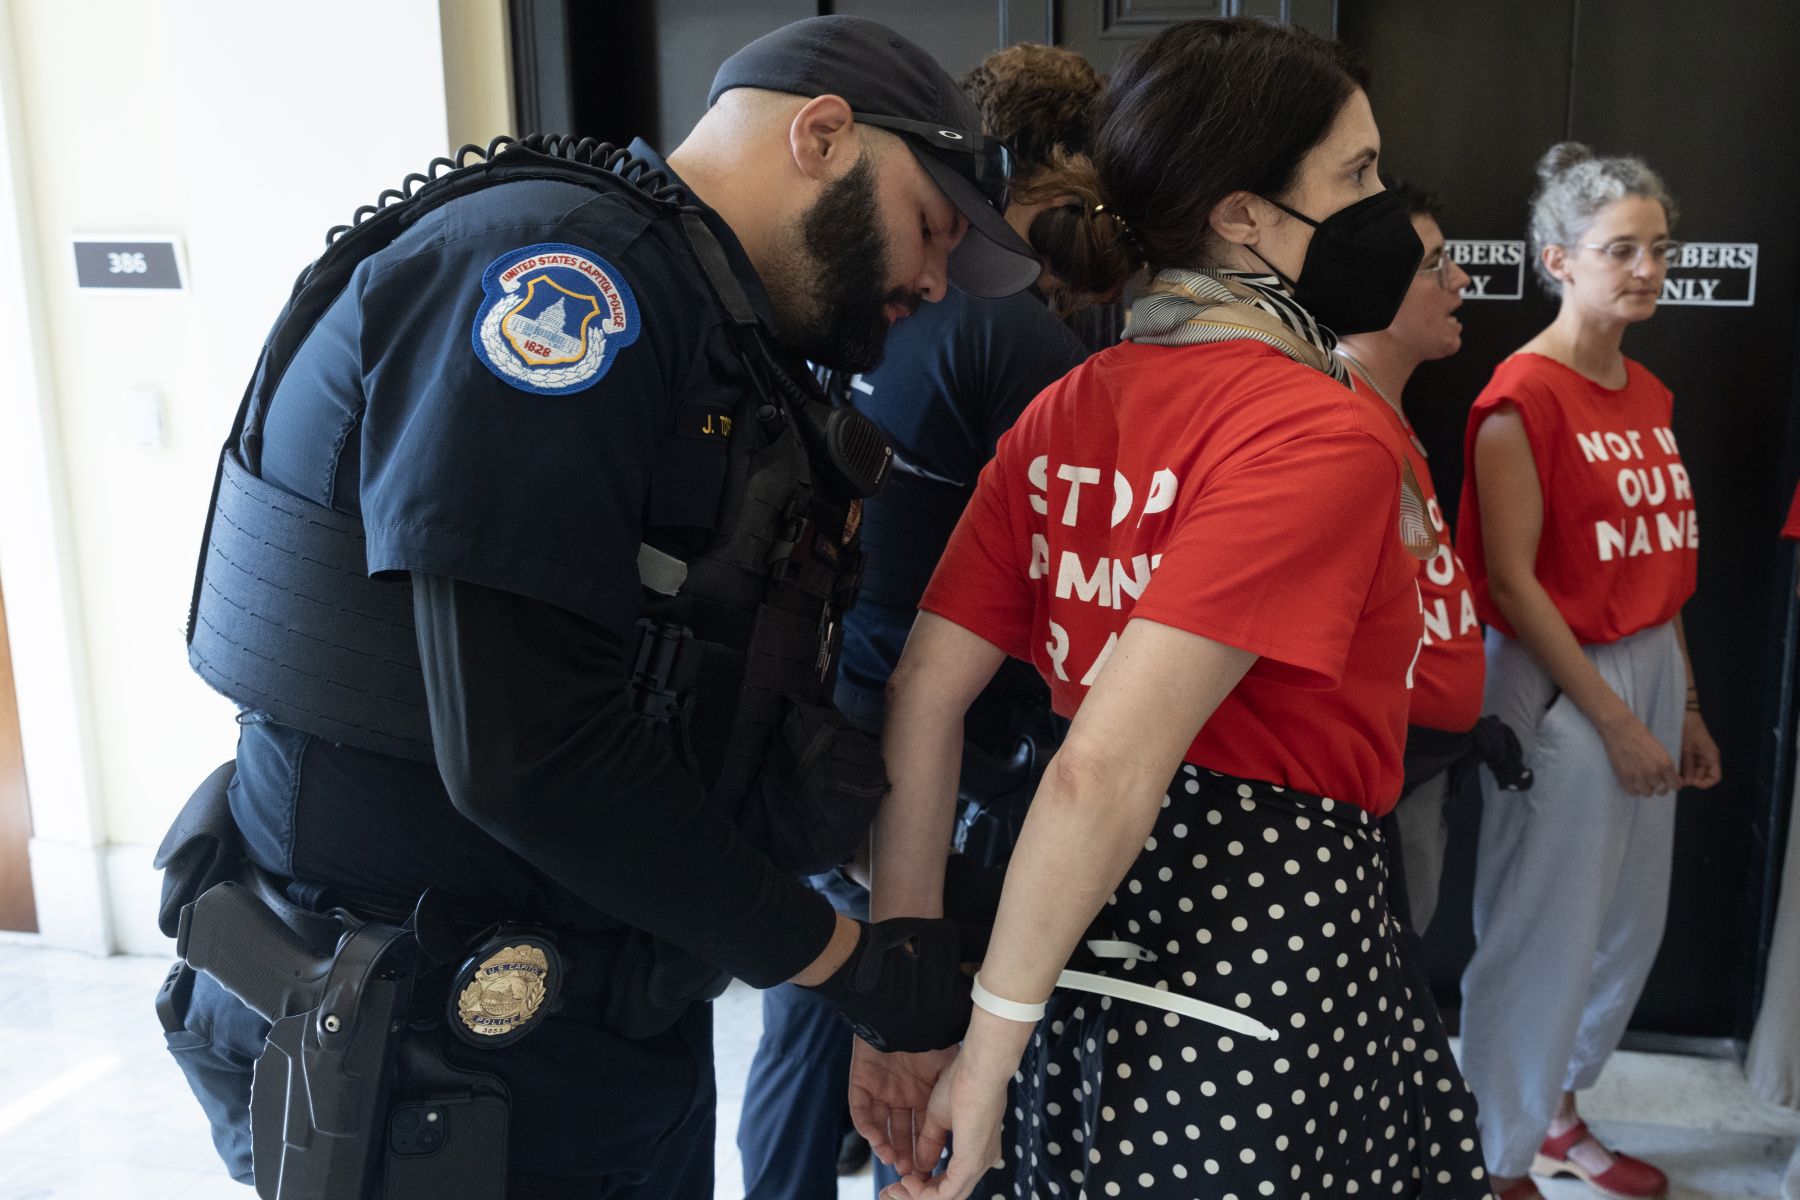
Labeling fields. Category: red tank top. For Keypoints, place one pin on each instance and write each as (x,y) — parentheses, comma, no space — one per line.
(1620,539)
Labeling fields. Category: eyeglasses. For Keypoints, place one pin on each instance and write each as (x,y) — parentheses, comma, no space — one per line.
(984,161)
(1627,254)
(1441,268)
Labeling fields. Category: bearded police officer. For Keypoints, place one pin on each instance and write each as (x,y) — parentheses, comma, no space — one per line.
(955,377)
(525,567)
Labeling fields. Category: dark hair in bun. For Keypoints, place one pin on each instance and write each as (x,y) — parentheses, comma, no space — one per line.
(1201,110)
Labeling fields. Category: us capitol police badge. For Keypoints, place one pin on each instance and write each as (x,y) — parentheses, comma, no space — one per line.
(553,318)
(504,989)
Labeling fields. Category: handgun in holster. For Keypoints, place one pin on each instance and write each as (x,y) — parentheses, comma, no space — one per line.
(349,1100)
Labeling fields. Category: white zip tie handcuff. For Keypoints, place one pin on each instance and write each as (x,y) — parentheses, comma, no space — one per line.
(1123,989)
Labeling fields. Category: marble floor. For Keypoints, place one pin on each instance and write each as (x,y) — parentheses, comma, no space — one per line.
(92,1108)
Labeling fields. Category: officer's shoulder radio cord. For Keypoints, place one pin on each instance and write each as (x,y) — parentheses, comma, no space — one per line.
(587,152)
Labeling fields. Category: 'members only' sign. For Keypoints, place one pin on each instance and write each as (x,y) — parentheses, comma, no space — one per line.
(1496,270)
(1721,274)
(1717,273)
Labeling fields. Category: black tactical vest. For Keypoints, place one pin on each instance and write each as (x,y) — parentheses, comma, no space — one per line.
(286,620)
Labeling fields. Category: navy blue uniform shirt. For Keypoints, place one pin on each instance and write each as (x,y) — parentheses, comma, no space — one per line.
(956,375)
(391,411)
(515,394)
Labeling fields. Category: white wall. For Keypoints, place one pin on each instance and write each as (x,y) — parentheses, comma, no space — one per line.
(246,129)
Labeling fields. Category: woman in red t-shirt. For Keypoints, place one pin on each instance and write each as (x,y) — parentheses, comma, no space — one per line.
(1447,679)
(1578,528)
(1208,544)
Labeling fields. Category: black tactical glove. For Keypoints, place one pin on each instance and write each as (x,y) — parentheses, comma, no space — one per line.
(903,987)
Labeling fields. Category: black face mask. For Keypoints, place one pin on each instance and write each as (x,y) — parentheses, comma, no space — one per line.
(1359,265)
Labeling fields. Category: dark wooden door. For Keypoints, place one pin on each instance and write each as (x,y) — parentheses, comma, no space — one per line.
(1468,95)
(1103,29)
(17,910)
(615,72)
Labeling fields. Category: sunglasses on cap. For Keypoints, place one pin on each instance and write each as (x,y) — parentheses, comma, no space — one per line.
(984,161)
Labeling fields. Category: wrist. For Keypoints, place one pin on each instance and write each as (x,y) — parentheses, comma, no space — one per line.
(1011,1010)
(889,907)
(900,893)
(994,1045)
(1617,718)
(845,934)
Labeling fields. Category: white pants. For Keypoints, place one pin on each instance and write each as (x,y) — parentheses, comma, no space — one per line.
(1571,891)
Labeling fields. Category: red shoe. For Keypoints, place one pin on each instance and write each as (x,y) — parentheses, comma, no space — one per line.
(1522,1190)
(1627,1179)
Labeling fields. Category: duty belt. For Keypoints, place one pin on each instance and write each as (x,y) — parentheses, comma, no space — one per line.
(353,1094)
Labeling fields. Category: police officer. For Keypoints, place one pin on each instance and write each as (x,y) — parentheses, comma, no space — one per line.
(567,682)
(955,377)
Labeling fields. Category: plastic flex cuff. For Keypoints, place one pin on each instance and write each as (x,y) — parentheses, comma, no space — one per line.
(1000,1006)
(1137,993)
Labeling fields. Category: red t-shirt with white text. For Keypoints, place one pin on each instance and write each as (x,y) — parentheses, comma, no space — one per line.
(1228,491)
(1620,542)
(1452,669)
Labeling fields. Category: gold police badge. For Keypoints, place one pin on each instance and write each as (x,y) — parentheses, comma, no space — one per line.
(504,990)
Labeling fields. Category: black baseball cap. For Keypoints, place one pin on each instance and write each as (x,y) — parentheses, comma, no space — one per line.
(890,83)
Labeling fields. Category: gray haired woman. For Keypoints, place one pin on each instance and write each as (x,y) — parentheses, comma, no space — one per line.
(1578,529)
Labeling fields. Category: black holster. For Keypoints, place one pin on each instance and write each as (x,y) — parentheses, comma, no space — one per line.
(352,1099)
(1000,775)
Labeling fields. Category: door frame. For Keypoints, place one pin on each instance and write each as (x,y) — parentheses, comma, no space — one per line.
(50,674)
(18,907)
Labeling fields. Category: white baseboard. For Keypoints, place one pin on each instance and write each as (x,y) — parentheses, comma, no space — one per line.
(69,884)
(95,899)
(135,890)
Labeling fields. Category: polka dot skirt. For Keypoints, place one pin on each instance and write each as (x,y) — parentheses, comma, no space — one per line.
(1272,903)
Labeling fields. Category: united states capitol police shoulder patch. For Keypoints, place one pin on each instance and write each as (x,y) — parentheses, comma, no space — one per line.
(553,318)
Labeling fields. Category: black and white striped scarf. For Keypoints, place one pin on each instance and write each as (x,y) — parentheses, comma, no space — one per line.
(1189,308)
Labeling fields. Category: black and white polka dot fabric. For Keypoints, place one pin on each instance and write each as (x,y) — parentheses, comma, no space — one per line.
(1272,903)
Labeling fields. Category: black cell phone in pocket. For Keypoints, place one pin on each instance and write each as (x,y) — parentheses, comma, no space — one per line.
(447,1149)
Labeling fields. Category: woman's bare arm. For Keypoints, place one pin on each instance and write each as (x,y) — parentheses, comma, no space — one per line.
(1096,805)
(1512,523)
(942,670)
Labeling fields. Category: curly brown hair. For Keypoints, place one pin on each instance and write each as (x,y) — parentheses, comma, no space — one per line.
(1036,99)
